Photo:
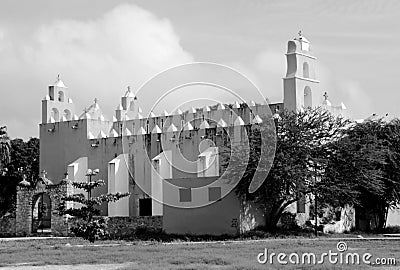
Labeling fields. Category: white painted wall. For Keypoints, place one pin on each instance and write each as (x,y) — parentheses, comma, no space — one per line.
(161,169)
(208,163)
(118,181)
(77,173)
(393,218)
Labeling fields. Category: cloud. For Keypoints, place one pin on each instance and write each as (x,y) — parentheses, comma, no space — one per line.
(344,89)
(355,99)
(96,58)
(271,68)
(266,71)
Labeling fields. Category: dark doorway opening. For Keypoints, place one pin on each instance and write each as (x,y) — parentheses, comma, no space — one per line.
(41,213)
(145,207)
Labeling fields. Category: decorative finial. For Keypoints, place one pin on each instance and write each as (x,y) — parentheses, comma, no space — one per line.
(85,110)
(300,34)
(129,88)
(44,173)
(58,77)
(95,100)
(325,95)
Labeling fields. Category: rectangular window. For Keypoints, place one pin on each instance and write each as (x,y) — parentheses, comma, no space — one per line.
(156,164)
(214,194)
(185,195)
(145,207)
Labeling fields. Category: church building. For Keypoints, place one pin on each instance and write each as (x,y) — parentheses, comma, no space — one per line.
(141,154)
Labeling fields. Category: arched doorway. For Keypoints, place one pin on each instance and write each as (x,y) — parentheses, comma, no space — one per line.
(41,213)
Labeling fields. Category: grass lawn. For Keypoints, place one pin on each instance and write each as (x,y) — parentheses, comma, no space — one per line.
(157,255)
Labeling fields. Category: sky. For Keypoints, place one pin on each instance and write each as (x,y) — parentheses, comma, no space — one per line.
(100,47)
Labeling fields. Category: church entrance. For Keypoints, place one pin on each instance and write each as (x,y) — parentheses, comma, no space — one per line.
(41,213)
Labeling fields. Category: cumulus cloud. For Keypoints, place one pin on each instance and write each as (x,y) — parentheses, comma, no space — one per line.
(96,58)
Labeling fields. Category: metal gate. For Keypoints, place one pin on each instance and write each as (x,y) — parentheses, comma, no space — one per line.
(41,213)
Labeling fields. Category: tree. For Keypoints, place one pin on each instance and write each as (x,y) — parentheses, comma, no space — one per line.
(368,159)
(88,225)
(24,160)
(391,169)
(301,156)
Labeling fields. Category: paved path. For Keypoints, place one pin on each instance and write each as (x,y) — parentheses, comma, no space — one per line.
(7,239)
(73,267)
(285,239)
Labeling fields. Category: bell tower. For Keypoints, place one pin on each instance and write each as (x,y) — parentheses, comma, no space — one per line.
(300,81)
(57,106)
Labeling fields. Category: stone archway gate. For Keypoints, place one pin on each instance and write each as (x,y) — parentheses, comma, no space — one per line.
(25,200)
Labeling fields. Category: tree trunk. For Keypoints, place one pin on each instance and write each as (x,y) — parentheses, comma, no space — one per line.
(382,216)
(276,213)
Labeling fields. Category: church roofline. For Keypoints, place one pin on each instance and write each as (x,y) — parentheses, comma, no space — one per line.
(302,54)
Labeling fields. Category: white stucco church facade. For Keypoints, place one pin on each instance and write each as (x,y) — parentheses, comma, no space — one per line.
(72,142)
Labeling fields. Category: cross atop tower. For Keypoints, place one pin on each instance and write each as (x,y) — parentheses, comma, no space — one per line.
(129,93)
(325,95)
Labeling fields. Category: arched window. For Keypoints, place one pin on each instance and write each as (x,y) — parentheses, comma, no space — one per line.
(307,97)
(55,114)
(67,114)
(306,70)
(61,96)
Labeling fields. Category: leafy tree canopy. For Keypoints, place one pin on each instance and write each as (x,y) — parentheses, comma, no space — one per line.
(88,225)
(24,160)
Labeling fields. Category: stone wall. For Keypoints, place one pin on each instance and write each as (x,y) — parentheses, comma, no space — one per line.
(7,226)
(59,224)
(123,227)
(25,196)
